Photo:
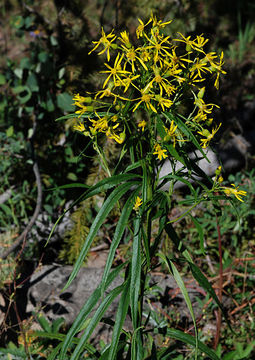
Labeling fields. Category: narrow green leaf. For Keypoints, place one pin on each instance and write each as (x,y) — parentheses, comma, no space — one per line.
(70,186)
(101,186)
(43,323)
(133,166)
(181,179)
(188,339)
(6,209)
(202,280)
(172,268)
(136,265)
(55,352)
(56,324)
(120,228)
(136,345)
(95,320)
(185,294)
(120,318)
(65,117)
(99,219)
(62,337)
(86,310)
(83,116)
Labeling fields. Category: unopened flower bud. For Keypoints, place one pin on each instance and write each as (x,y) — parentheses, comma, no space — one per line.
(89,108)
(87,100)
(218,171)
(220,180)
(201,93)
(114,46)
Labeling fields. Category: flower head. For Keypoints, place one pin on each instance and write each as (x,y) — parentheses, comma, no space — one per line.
(115,71)
(106,41)
(142,125)
(161,153)
(138,203)
(238,193)
(207,136)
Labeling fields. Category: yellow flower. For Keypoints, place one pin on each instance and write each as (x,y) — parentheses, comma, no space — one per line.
(196,44)
(163,102)
(177,60)
(209,57)
(203,107)
(107,92)
(200,42)
(142,124)
(106,41)
(234,191)
(158,23)
(145,55)
(199,66)
(140,28)
(138,203)
(158,45)
(126,82)
(112,135)
(170,133)
(124,38)
(162,82)
(159,152)
(79,127)
(174,71)
(146,98)
(101,124)
(83,109)
(219,70)
(220,180)
(115,70)
(132,57)
(208,136)
(81,99)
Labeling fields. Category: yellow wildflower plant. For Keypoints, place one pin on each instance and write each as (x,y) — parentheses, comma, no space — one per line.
(153,103)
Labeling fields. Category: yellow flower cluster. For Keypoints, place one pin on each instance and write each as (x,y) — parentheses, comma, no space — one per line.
(151,77)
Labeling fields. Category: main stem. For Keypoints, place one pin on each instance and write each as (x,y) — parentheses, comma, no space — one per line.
(217,336)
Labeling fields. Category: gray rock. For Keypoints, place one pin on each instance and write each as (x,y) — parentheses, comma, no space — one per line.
(45,293)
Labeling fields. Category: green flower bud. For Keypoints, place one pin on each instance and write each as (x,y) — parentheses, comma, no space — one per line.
(114,46)
(88,100)
(89,108)
(201,93)
(206,133)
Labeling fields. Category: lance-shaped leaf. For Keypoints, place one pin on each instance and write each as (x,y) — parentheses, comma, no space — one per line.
(188,339)
(120,318)
(120,228)
(95,320)
(86,310)
(99,219)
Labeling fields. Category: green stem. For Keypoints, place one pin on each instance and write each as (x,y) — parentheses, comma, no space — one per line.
(103,160)
(185,212)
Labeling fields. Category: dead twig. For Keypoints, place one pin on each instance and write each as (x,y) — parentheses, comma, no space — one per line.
(22,237)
